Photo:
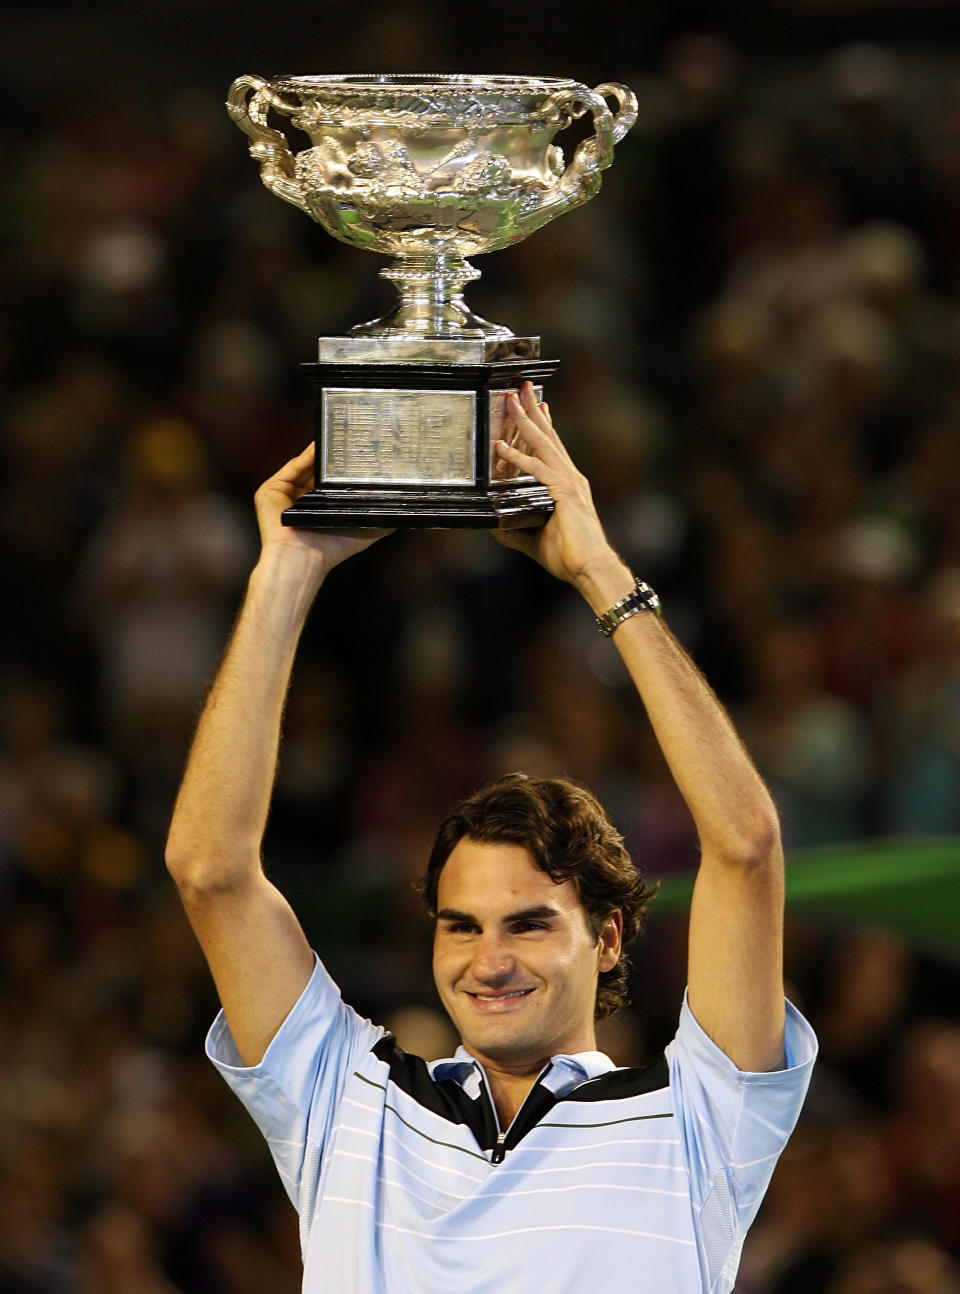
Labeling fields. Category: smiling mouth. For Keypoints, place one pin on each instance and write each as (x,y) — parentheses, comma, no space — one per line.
(495,999)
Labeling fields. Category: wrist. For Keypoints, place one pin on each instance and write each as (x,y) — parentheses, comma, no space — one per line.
(604,580)
(287,576)
(641,599)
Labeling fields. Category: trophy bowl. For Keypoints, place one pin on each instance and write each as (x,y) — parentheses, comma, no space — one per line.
(430,169)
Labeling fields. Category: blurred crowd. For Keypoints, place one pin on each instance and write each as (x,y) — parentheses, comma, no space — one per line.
(759,326)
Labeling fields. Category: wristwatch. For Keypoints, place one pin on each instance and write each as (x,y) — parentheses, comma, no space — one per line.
(642,598)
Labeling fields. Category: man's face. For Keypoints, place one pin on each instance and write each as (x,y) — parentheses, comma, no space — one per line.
(514,960)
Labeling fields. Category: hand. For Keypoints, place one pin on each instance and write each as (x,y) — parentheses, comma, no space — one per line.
(572,542)
(321,549)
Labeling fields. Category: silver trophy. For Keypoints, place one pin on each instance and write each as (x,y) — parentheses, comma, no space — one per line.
(429,169)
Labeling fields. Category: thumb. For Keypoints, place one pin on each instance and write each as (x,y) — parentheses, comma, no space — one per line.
(523,541)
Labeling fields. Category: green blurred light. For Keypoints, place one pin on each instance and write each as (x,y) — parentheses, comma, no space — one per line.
(911,885)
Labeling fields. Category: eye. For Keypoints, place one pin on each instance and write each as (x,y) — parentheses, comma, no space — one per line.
(460,928)
(522,927)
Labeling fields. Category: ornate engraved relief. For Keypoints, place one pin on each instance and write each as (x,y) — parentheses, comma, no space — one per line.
(428,167)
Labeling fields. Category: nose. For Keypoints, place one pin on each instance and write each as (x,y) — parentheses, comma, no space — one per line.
(493,963)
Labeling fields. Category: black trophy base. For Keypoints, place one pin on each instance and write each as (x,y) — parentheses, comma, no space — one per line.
(504,507)
(368,414)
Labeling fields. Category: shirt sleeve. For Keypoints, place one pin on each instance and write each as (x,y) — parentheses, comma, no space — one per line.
(294,1093)
(734,1126)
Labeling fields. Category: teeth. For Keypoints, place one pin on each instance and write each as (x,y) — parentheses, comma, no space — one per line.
(498,997)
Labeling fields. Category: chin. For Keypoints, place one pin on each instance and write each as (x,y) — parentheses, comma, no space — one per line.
(500,1044)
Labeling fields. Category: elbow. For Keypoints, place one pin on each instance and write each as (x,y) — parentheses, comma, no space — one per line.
(765,849)
(756,846)
(180,856)
(184,869)
(199,871)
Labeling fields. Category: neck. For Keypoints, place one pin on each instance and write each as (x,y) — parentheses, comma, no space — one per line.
(509,1083)
(509,1091)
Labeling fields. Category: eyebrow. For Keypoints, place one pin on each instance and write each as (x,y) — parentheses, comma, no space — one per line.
(542,913)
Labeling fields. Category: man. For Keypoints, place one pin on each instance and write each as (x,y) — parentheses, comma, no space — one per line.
(527,1162)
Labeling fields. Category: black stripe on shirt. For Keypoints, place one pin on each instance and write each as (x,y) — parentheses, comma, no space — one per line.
(446,1098)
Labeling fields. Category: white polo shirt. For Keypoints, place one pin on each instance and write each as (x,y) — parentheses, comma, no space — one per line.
(646,1179)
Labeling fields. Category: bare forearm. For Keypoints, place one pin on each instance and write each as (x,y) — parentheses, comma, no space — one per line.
(736,919)
(221,810)
(732,810)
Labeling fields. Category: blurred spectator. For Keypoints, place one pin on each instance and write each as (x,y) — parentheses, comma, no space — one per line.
(156,588)
(924,721)
(913,1266)
(814,748)
(864,1009)
(869,143)
(925,1134)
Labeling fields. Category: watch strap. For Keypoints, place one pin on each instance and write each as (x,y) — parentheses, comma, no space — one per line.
(642,598)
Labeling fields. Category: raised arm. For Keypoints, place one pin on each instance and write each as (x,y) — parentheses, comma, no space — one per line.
(253,943)
(735,974)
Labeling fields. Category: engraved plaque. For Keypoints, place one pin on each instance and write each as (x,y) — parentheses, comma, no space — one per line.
(413,437)
(502,428)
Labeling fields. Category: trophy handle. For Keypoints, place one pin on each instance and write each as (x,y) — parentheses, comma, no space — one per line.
(581,180)
(269,146)
(626,108)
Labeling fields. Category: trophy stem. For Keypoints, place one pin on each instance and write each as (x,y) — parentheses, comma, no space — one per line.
(431,300)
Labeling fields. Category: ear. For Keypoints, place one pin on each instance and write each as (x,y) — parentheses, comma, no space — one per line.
(610,941)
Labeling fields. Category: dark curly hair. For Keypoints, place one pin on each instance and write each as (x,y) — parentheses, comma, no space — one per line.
(569,836)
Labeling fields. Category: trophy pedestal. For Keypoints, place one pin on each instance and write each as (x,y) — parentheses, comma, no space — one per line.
(410,441)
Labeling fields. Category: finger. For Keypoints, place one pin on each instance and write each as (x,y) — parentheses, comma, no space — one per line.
(305,456)
(539,415)
(539,435)
(522,541)
(369,534)
(553,435)
(530,405)
(521,406)
(537,411)
(501,469)
(299,470)
(535,467)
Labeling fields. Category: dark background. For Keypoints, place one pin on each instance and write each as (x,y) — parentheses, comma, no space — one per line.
(758,326)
